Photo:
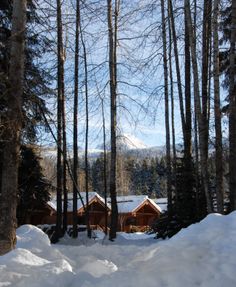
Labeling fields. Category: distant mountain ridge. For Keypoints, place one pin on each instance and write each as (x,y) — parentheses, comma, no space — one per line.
(126,143)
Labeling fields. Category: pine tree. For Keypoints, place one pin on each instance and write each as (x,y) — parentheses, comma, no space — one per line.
(224,28)
(37,80)
(96,175)
(33,191)
(10,138)
(227,66)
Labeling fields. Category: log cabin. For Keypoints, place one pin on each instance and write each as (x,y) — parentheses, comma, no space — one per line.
(136,212)
(36,214)
(96,210)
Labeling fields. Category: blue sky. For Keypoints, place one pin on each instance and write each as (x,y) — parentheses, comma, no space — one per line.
(140,76)
(140,94)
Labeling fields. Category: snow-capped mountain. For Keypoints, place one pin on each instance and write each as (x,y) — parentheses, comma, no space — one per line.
(129,142)
(125,142)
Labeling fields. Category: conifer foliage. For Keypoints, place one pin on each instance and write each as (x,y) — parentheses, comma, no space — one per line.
(36,86)
(33,187)
(11,121)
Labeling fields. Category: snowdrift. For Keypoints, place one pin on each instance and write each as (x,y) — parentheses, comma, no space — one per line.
(203,254)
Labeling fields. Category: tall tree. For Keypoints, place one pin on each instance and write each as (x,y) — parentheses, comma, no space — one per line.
(86,131)
(206,52)
(63,114)
(185,106)
(37,79)
(199,110)
(112,38)
(232,111)
(196,145)
(188,166)
(217,112)
(60,73)
(104,165)
(12,130)
(188,123)
(177,66)
(171,92)
(205,97)
(75,123)
(167,125)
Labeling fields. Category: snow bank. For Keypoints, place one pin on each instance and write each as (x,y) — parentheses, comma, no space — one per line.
(31,237)
(200,255)
(136,235)
(34,262)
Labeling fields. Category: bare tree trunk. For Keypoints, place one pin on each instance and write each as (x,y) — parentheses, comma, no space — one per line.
(188,123)
(65,201)
(196,146)
(188,168)
(232,112)
(197,177)
(12,130)
(113,93)
(179,81)
(217,111)
(172,107)
(172,95)
(75,126)
(200,118)
(86,134)
(104,166)
(206,43)
(168,163)
(60,69)
(206,83)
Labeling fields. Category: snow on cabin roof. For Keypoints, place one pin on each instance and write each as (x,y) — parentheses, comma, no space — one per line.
(91,195)
(162,203)
(52,204)
(128,204)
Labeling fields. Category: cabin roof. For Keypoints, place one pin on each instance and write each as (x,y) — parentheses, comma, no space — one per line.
(162,203)
(126,204)
(131,203)
(91,195)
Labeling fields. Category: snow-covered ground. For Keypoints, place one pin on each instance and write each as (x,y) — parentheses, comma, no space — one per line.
(202,255)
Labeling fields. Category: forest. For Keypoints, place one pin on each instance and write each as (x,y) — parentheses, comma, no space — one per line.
(77,73)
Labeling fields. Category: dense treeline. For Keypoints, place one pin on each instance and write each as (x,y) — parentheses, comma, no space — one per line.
(134,175)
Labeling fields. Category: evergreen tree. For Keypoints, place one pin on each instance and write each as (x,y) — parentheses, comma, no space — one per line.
(227,65)
(35,86)
(36,78)
(96,176)
(11,127)
(189,208)
(224,27)
(33,186)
